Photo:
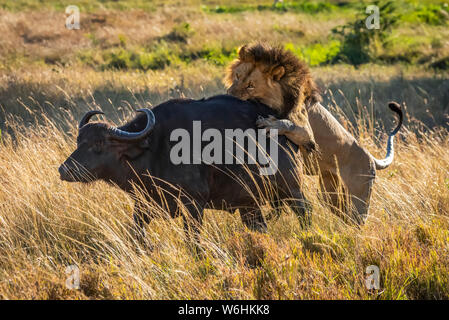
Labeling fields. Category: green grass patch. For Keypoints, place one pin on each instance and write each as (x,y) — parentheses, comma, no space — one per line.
(217,55)
(432,14)
(155,57)
(158,58)
(405,48)
(316,54)
(310,7)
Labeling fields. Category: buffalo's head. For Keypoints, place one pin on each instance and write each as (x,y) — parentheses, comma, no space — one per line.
(102,149)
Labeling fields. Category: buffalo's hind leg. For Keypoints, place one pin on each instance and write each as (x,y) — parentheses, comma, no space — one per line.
(297,202)
(300,206)
(252,218)
(303,211)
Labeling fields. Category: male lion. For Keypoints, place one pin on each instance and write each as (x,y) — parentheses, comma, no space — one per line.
(281,81)
(278,79)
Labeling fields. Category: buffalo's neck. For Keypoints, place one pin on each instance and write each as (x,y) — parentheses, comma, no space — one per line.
(131,173)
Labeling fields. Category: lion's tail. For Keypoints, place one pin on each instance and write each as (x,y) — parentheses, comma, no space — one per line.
(385,163)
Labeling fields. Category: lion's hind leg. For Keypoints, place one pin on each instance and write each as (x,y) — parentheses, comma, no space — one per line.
(359,185)
(333,194)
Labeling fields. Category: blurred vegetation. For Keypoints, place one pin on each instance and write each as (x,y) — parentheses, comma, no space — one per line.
(169,50)
(411,32)
(359,43)
(84,5)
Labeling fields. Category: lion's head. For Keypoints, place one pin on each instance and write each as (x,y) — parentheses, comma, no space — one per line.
(273,76)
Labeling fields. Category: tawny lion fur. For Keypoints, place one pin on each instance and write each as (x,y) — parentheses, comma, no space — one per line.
(278,79)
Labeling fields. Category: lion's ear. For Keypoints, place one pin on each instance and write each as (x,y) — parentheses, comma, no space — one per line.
(243,51)
(278,73)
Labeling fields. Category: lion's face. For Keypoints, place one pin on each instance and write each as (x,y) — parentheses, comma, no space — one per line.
(248,80)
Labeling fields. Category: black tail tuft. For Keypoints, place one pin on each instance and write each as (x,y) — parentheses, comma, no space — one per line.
(395,107)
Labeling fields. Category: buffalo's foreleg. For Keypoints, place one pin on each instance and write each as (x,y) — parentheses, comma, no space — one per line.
(141,219)
(253,219)
(193,219)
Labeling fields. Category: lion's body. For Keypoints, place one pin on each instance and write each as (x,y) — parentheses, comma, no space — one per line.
(347,171)
(342,156)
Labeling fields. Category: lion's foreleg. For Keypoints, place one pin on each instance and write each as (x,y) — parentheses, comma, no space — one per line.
(300,135)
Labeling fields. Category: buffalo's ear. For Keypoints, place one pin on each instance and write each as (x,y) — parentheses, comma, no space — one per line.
(278,73)
(243,52)
(130,150)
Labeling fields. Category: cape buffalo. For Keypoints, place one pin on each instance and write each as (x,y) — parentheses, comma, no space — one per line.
(140,153)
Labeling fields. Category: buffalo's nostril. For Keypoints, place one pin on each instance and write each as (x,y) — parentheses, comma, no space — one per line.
(64,172)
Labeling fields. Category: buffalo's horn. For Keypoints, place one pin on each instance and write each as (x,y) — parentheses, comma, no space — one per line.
(119,134)
(87,117)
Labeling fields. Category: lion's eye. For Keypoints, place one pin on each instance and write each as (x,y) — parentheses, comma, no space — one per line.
(237,77)
(250,86)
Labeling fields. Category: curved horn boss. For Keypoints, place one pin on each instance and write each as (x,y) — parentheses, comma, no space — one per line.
(121,135)
(85,119)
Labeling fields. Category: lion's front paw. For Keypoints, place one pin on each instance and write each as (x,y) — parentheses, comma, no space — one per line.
(262,122)
(270,123)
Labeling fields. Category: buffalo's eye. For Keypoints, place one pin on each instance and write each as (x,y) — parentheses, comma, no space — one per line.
(237,77)
(97,147)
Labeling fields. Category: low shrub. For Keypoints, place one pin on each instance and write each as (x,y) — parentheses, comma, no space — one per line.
(318,53)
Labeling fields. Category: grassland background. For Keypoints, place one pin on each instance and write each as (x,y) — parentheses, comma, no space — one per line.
(133,53)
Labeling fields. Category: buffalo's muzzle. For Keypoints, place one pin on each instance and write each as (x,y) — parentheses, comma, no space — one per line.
(65,173)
